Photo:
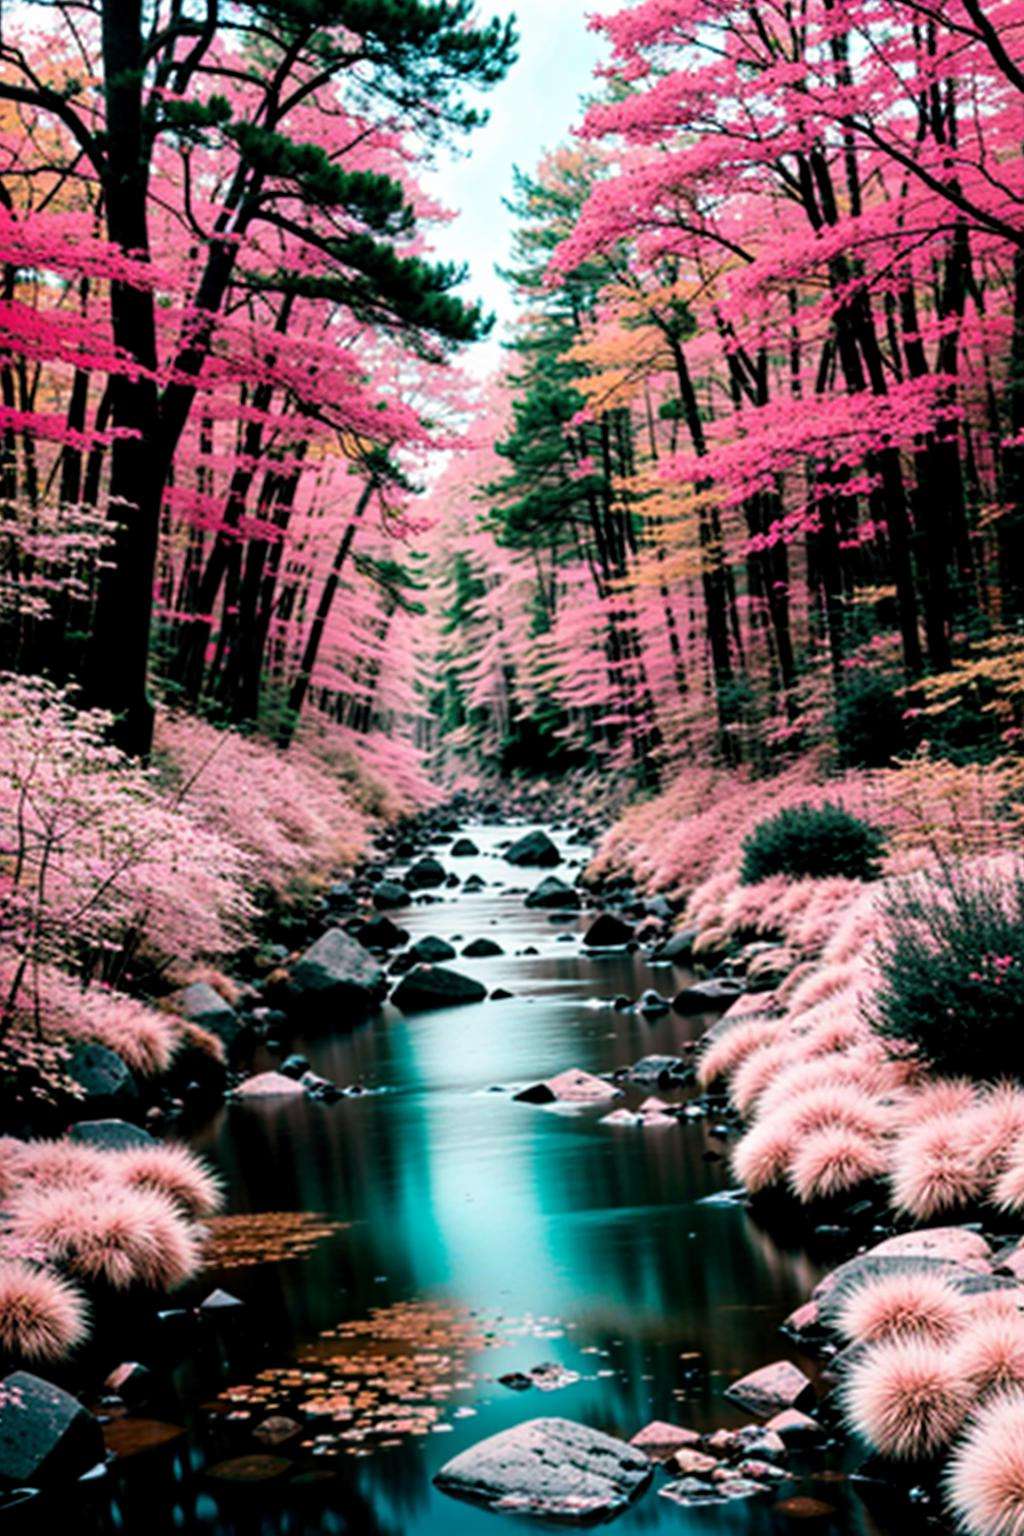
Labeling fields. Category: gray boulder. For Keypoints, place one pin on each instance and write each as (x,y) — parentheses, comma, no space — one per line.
(46,1436)
(553,892)
(552,1469)
(534,850)
(607,931)
(430,949)
(678,948)
(425,874)
(705,996)
(110,1135)
(380,933)
(388,894)
(202,1004)
(336,971)
(102,1076)
(434,986)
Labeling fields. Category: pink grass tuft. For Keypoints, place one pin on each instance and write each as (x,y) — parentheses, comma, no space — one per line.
(835,1161)
(761,1157)
(169,1170)
(120,1237)
(985,1479)
(61,1165)
(937,1167)
(918,1304)
(41,1317)
(991,1353)
(730,1050)
(757,1071)
(905,1399)
(1008,1189)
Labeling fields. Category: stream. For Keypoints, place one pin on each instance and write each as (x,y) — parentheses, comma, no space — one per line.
(494,1234)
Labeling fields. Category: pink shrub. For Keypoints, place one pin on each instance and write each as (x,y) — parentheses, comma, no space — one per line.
(120,1237)
(985,1479)
(172,1171)
(724,1055)
(754,1074)
(905,1399)
(939,1098)
(936,1167)
(835,1161)
(59,1165)
(921,1304)
(41,1316)
(991,1353)
(761,1157)
(1008,1189)
(999,1124)
(843,1105)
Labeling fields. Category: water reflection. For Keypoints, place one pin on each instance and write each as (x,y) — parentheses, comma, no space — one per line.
(457,1193)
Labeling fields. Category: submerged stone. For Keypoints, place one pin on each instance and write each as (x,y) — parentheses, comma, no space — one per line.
(773,1387)
(534,849)
(660,1440)
(550,1468)
(46,1436)
(571,1087)
(335,972)
(434,986)
(608,932)
(553,892)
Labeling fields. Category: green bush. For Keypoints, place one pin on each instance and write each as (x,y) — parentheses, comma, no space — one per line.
(952,973)
(812,840)
(867,720)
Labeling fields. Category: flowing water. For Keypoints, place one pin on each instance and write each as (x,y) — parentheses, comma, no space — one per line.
(512,1234)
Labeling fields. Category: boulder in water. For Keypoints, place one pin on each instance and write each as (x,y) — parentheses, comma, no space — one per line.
(434,986)
(571,1087)
(388,894)
(552,1469)
(608,932)
(464,848)
(203,1005)
(534,850)
(430,950)
(336,971)
(707,996)
(425,874)
(772,1388)
(553,892)
(380,933)
(479,949)
(111,1135)
(46,1436)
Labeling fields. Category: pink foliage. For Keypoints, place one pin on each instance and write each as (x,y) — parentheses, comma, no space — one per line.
(905,1398)
(41,1316)
(105,1233)
(913,1303)
(835,1160)
(985,1479)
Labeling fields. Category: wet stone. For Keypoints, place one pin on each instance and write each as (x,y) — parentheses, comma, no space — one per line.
(535,850)
(608,932)
(388,894)
(553,892)
(773,1387)
(660,1440)
(479,949)
(249,1471)
(430,950)
(131,1439)
(46,1436)
(571,1087)
(549,1468)
(433,986)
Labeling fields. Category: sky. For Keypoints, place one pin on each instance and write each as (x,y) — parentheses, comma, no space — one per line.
(532,110)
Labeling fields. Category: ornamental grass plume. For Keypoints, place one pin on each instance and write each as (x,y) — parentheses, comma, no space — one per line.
(835,1160)
(843,1104)
(939,1098)
(731,1049)
(984,1482)
(914,1303)
(998,1124)
(120,1237)
(753,1076)
(60,1165)
(172,1171)
(905,1398)
(761,1157)
(1008,1188)
(990,1355)
(936,1167)
(41,1316)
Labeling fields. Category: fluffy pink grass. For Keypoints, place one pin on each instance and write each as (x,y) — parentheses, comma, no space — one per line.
(991,1353)
(999,1123)
(754,1074)
(826,982)
(920,1305)
(936,1168)
(761,1157)
(120,1237)
(172,1171)
(1008,1189)
(905,1398)
(985,1479)
(939,1099)
(41,1316)
(59,1165)
(834,1161)
(732,1048)
(842,1104)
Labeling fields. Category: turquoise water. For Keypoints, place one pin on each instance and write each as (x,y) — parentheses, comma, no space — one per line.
(567,1240)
